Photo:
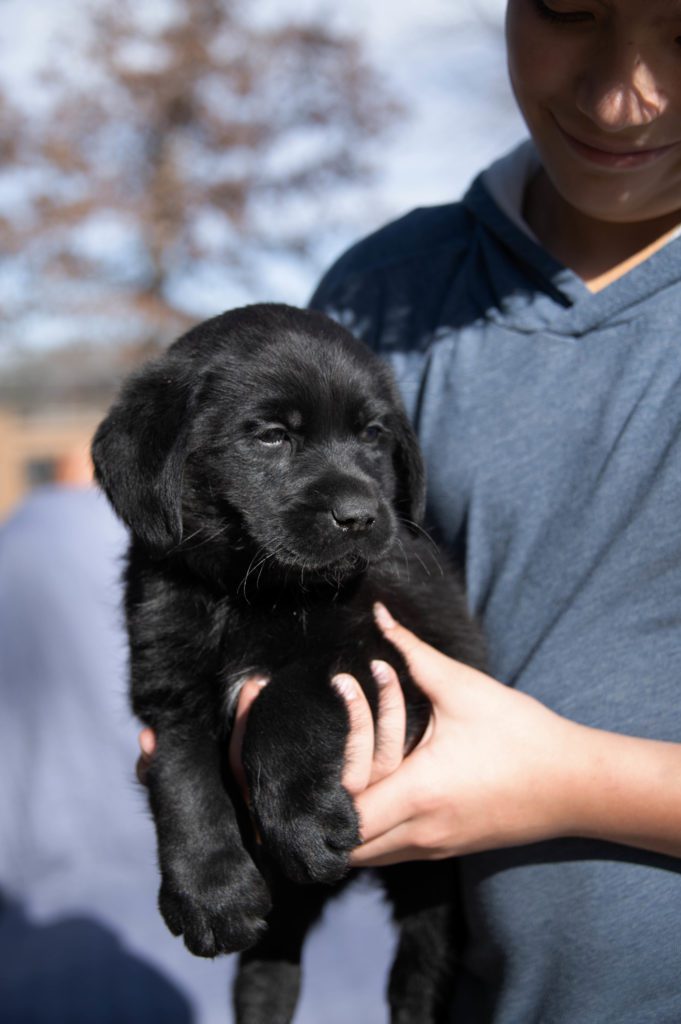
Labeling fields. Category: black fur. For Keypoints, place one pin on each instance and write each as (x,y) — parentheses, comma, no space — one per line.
(274,491)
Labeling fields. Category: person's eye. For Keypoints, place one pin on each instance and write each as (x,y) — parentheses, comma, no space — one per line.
(273,436)
(561,16)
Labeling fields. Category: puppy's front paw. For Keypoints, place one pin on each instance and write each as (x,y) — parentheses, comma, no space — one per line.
(311,840)
(217,904)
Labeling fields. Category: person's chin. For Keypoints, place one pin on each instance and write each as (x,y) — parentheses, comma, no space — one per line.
(611,198)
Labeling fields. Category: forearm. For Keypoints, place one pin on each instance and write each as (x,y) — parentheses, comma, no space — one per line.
(625,790)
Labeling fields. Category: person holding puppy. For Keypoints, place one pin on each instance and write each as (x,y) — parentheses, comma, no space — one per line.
(534,328)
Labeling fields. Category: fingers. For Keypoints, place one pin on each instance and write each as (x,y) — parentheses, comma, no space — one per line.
(147,742)
(249,692)
(393,847)
(359,750)
(391,726)
(422,659)
(434,672)
(387,804)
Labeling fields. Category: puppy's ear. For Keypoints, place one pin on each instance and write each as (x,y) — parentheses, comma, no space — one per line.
(139,452)
(410,497)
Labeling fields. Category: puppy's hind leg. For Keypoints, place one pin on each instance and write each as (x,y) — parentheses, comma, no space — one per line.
(425,907)
(268,978)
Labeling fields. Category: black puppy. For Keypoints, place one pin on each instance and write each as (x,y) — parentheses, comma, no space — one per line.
(274,489)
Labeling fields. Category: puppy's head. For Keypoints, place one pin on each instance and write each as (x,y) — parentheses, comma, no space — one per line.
(271,421)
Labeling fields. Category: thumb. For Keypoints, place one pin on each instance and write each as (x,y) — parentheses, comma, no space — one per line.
(249,691)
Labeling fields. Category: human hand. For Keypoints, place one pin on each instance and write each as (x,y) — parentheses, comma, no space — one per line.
(249,691)
(493,769)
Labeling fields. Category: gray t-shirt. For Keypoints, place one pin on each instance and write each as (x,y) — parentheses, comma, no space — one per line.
(550,420)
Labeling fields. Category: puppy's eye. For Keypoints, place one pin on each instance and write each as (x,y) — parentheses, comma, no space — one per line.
(371,433)
(273,436)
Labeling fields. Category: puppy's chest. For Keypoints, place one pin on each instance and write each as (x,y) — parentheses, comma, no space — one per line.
(287,639)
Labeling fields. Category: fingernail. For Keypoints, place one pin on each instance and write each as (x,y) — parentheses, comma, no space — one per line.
(345,685)
(383,617)
(381,672)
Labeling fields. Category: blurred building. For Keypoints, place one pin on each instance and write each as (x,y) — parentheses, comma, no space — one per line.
(43,448)
(50,406)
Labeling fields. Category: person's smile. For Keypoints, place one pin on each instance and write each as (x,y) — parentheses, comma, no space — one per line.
(612,155)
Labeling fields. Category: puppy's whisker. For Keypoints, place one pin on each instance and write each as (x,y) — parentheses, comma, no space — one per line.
(244,579)
(405,557)
(253,565)
(424,566)
(261,565)
(421,562)
(419,529)
(434,551)
(211,536)
(184,543)
(262,561)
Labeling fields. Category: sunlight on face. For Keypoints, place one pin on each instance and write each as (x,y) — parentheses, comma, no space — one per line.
(599,85)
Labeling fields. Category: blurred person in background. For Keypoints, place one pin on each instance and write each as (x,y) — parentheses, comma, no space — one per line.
(81,938)
(76,868)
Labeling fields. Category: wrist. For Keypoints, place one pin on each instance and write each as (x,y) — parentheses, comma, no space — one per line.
(549,798)
(622,789)
(586,782)
(594,775)
(566,780)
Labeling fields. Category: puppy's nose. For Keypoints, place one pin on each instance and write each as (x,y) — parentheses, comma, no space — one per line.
(356,515)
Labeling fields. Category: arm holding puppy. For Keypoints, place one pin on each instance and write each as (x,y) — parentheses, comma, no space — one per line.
(497,768)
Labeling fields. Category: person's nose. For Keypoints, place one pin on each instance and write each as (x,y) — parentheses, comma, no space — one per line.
(622,91)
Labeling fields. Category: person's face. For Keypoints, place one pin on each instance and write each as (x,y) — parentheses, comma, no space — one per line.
(599,85)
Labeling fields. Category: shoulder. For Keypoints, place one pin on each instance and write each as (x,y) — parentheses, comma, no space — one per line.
(399,247)
(388,289)
(408,271)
